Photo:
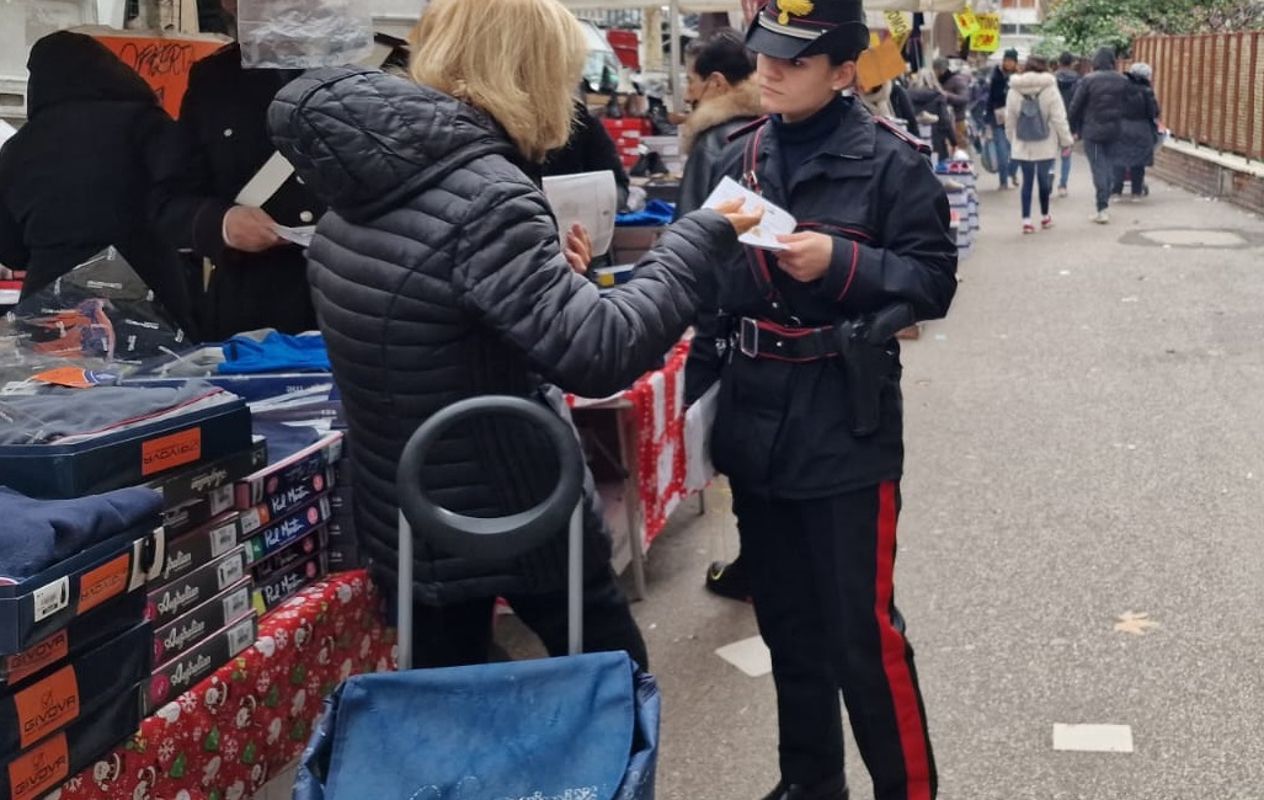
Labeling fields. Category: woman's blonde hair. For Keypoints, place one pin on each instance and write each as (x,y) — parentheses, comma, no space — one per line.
(518,60)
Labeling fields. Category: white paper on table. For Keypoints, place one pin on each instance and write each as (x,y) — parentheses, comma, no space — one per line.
(776,222)
(588,198)
(301,236)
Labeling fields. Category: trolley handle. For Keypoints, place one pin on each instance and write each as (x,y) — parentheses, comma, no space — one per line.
(499,537)
(496,538)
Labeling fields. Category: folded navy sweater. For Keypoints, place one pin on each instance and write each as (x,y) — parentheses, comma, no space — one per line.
(37,534)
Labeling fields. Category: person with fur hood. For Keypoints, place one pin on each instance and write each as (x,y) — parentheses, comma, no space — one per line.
(724,99)
(1036,123)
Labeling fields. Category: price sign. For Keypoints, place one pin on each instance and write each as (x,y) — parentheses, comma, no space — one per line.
(988,38)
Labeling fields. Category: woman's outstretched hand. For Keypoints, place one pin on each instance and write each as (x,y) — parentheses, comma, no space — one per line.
(741,220)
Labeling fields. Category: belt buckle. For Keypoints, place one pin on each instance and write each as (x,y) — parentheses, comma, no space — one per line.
(748,338)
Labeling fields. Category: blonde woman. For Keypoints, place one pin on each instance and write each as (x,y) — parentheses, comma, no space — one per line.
(438,275)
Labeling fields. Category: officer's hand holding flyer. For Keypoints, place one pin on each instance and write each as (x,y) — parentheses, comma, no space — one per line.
(776,221)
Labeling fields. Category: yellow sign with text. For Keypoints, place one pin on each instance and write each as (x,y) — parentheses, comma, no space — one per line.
(900,26)
(988,38)
(967,22)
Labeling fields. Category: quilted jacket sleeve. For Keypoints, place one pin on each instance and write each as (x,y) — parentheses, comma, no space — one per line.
(512,275)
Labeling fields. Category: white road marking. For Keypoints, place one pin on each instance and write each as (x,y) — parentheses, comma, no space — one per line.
(749,655)
(1093,738)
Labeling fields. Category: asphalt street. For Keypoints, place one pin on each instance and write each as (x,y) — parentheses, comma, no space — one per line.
(1080,542)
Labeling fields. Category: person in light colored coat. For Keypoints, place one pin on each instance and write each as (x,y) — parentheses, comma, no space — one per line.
(1036,157)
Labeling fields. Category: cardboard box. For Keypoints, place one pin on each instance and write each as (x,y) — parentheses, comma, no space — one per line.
(285,501)
(180,674)
(297,470)
(44,767)
(127,457)
(289,530)
(201,623)
(46,703)
(170,602)
(306,547)
(281,587)
(199,548)
(201,481)
(104,622)
(43,604)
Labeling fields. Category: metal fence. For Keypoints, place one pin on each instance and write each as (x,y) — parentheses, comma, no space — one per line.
(1210,88)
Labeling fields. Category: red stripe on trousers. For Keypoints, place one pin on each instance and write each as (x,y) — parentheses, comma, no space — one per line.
(908,716)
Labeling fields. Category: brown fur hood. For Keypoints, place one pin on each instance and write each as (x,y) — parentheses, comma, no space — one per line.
(742,101)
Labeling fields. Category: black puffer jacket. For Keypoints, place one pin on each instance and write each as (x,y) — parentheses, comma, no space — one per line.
(1138,130)
(75,178)
(437,276)
(1097,108)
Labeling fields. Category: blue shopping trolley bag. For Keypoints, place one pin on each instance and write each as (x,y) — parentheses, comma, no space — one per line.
(584,727)
(577,728)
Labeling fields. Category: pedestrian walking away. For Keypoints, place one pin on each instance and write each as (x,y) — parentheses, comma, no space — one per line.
(1139,132)
(1069,78)
(998,95)
(808,424)
(1037,119)
(1096,116)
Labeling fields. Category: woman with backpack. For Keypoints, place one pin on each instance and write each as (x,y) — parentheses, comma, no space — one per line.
(1036,121)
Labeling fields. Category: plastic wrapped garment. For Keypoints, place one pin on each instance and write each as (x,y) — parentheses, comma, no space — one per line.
(578,728)
(303,34)
(100,316)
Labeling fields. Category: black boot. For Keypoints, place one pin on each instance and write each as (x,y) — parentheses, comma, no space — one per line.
(729,580)
(832,789)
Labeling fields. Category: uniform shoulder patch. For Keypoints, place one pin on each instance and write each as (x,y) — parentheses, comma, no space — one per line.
(903,135)
(748,128)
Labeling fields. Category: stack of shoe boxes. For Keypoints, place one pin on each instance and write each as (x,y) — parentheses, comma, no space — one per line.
(959,183)
(199,604)
(344,552)
(284,516)
(75,658)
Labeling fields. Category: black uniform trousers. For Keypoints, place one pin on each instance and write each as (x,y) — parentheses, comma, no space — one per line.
(821,574)
(461,633)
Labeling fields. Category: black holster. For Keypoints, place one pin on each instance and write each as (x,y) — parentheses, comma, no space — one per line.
(867,361)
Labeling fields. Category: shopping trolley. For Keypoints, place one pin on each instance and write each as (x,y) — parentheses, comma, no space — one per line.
(583,727)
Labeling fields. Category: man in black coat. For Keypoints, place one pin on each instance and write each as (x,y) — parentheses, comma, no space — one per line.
(259,279)
(1069,78)
(1096,116)
(75,178)
(808,423)
(998,94)
(590,149)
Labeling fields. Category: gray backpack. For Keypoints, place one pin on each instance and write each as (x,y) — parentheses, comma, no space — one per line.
(1032,126)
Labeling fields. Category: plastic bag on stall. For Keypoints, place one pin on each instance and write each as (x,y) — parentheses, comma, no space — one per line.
(303,34)
(100,317)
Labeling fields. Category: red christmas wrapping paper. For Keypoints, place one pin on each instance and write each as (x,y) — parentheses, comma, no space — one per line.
(658,401)
(225,738)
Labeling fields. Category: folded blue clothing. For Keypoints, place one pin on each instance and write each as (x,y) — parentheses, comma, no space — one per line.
(656,212)
(285,440)
(37,534)
(277,352)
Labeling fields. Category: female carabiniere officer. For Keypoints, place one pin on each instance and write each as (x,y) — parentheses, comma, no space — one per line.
(808,427)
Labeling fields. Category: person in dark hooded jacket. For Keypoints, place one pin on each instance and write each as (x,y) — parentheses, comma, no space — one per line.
(724,98)
(1138,132)
(437,275)
(75,178)
(1096,116)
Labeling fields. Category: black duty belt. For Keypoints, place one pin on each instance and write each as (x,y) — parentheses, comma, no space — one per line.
(758,338)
